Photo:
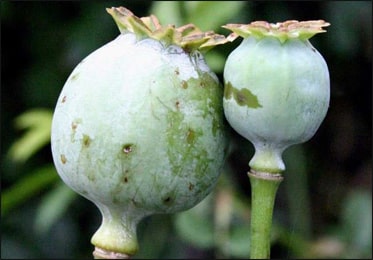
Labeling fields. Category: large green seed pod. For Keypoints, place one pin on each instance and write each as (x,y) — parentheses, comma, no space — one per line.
(276,88)
(138,128)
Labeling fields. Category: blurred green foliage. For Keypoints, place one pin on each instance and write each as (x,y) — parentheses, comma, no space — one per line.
(324,206)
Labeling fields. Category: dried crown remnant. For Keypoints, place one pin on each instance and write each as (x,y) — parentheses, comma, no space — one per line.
(303,30)
(189,37)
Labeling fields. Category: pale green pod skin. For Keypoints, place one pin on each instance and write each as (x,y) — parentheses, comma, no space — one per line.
(276,95)
(139,129)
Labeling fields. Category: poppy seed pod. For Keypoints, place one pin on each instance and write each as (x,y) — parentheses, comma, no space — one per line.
(139,127)
(277,88)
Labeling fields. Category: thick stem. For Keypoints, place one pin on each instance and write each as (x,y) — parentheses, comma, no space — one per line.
(116,237)
(263,192)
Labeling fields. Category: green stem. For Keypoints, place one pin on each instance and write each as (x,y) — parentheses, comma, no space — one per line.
(263,192)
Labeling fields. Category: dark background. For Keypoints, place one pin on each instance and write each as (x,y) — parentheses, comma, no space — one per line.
(323,208)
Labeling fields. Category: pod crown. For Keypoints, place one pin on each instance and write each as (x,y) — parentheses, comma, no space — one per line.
(189,37)
(283,31)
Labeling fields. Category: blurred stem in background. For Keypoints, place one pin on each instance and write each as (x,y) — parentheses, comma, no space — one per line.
(297,192)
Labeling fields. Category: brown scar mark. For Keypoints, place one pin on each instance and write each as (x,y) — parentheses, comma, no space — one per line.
(63,158)
(127,148)
(74,125)
(86,140)
(190,136)
(184,84)
(75,76)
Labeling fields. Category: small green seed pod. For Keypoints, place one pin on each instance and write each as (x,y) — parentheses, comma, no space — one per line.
(139,127)
(276,88)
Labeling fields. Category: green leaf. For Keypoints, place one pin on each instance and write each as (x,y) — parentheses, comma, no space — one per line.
(357,221)
(27,187)
(211,15)
(215,60)
(203,14)
(53,206)
(196,225)
(239,241)
(37,123)
(154,234)
(168,12)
